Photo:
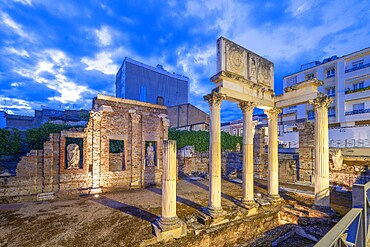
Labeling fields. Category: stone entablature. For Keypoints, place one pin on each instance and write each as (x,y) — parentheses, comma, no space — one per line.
(130,124)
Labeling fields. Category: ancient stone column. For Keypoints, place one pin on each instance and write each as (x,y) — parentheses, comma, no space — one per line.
(169,225)
(136,142)
(214,197)
(273,156)
(248,169)
(321,172)
(96,150)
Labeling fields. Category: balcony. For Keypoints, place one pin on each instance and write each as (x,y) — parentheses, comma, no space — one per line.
(357,90)
(357,68)
(361,111)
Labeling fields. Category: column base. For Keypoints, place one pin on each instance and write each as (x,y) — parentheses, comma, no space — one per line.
(247,204)
(97,190)
(168,228)
(275,198)
(214,212)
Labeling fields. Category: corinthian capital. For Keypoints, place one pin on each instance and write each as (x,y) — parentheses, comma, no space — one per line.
(214,98)
(272,112)
(321,102)
(247,106)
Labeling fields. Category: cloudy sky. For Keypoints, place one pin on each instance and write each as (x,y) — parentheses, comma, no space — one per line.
(61,53)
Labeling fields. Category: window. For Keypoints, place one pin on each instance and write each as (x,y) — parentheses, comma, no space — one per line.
(234,132)
(310,115)
(330,73)
(241,131)
(310,76)
(291,81)
(358,85)
(358,108)
(358,63)
(330,91)
(331,111)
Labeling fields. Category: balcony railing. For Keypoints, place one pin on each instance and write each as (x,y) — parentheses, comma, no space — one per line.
(357,90)
(352,229)
(361,111)
(358,67)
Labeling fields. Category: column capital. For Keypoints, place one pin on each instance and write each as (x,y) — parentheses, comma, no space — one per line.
(135,118)
(214,98)
(247,106)
(272,112)
(96,115)
(321,102)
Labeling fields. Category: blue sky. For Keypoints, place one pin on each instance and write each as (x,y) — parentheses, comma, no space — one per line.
(60,53)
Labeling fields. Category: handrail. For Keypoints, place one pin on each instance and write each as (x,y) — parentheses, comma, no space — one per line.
(336,232)
(354,224)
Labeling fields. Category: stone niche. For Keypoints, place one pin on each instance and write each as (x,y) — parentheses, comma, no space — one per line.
(110,153)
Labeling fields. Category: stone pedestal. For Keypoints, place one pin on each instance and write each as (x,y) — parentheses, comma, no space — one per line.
(169,225)
(214,208)
(321,175)
(273,158)
(247,200)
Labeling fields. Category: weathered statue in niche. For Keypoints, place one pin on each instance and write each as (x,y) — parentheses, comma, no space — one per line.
(73,156)
(150,155)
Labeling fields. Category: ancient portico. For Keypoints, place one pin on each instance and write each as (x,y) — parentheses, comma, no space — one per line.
(247,79)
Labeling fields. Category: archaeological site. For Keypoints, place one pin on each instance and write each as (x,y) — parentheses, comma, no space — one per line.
(122,181)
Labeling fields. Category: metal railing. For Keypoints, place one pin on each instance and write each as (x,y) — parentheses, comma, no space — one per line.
(357,67)
(357,111)
(352,229)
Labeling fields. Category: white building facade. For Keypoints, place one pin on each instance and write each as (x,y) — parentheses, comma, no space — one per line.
(347,81)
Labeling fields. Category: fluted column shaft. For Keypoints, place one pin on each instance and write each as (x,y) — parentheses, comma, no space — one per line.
(248,169)
(321,175)
(169,175)
(214,197)
(273,156)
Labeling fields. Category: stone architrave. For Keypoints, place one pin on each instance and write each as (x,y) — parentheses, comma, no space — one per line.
(96,117)
(273,158)
(168,225)
(214,197)
(321,177)
(136,171)
(248,171)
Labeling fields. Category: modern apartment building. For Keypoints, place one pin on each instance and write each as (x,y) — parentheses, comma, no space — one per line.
(138,81)
(347,80)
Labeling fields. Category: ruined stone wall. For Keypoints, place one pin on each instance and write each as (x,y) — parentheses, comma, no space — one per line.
(48,170)
(306,151)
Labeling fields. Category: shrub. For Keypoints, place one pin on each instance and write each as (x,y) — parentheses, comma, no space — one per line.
(10,142)
(200,139)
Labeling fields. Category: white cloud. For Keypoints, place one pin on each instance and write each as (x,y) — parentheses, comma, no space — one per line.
(17,84)
(25,2)
(104,36)
(102,62)
(298,7)
(54,61)
(19,52)
(18,29)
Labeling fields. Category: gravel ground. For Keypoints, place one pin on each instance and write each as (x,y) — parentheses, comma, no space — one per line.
(117,219)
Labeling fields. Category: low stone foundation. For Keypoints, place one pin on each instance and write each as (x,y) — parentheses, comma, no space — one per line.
(240,228)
